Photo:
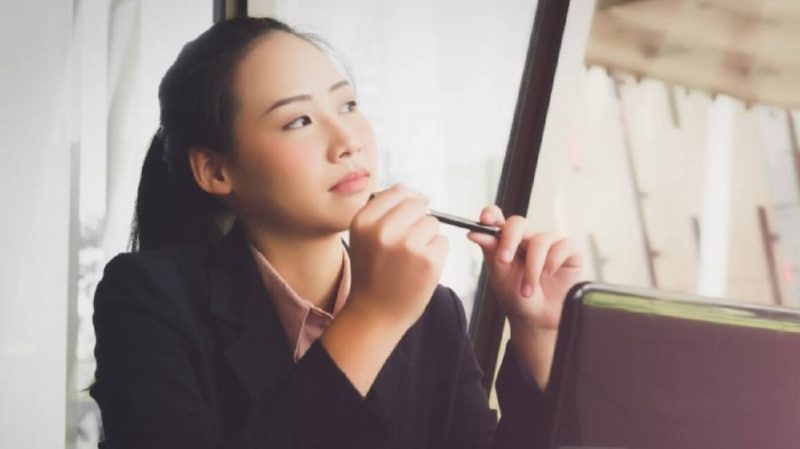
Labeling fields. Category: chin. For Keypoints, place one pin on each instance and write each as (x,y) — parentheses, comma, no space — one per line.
(337,220)
(344,218)
(341,211)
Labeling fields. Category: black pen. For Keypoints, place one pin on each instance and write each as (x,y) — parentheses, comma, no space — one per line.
(464,223)
(461,222)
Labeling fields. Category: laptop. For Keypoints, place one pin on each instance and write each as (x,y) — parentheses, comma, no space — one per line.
(645,369)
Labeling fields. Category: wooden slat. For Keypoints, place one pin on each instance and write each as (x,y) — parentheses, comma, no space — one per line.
(607,4)
(749,50)
(765,38)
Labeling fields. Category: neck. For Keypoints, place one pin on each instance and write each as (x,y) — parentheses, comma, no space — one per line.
(311,265)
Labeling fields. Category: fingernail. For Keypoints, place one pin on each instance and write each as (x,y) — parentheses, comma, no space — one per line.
(527,289)
(506,255)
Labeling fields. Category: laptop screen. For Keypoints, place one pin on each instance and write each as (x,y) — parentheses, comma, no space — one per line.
(646,370)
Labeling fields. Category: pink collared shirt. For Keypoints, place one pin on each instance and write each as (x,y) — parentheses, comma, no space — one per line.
(303,322)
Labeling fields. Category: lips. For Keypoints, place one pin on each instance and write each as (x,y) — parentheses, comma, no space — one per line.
(353,180)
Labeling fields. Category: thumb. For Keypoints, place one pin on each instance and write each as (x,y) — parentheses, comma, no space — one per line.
(488,243)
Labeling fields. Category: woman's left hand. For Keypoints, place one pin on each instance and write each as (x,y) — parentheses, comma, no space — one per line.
(529,273)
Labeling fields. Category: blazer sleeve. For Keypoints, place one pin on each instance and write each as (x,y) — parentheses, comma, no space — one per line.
(151,396)
(522,404)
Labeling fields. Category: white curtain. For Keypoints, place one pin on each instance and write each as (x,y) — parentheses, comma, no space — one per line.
(79,89)
(37,91)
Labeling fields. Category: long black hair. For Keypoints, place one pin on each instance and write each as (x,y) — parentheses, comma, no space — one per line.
(197,110)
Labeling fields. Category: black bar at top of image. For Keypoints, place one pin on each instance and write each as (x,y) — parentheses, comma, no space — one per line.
(227,9)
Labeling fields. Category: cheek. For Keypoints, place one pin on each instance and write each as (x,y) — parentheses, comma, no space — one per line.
(281,165)
(367,136)
(290,159)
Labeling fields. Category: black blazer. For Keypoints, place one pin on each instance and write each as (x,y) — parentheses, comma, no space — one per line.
(191,354)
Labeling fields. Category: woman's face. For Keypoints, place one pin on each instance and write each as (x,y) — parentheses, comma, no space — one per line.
(297,133)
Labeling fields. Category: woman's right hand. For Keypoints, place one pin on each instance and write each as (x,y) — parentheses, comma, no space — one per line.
(396,259)
(396,256)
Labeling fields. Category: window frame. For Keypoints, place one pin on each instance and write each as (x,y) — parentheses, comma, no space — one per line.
(519,166)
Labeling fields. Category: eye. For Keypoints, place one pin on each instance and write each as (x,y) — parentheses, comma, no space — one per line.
(298,123)
(350,106)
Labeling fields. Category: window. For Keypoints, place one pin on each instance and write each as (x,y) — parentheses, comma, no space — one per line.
(670,149)
(671,146)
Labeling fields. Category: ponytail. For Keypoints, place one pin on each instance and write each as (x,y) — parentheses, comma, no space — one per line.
(170,208)
(155,219)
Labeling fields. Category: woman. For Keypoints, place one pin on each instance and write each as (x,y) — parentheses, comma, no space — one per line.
(276,334)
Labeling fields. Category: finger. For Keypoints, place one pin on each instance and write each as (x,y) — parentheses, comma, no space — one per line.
(488,243)
(511,235)
(564,253)
(438,248)
(423,232)
(384,201)
(538,249)
(397,221)
(492,215)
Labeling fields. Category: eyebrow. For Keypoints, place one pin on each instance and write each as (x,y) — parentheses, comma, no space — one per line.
(304,97)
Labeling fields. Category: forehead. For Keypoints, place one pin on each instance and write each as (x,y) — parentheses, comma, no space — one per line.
(281,64)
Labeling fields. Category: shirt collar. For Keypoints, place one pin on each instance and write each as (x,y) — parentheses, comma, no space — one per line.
(292,309)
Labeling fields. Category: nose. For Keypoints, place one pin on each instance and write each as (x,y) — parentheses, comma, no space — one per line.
(344,141)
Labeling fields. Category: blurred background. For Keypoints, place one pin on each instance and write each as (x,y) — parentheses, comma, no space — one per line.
(670,150)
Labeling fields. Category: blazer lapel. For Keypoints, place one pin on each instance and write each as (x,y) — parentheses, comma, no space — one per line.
(255,345)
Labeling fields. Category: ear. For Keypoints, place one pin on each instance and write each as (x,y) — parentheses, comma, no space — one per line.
(210,171)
